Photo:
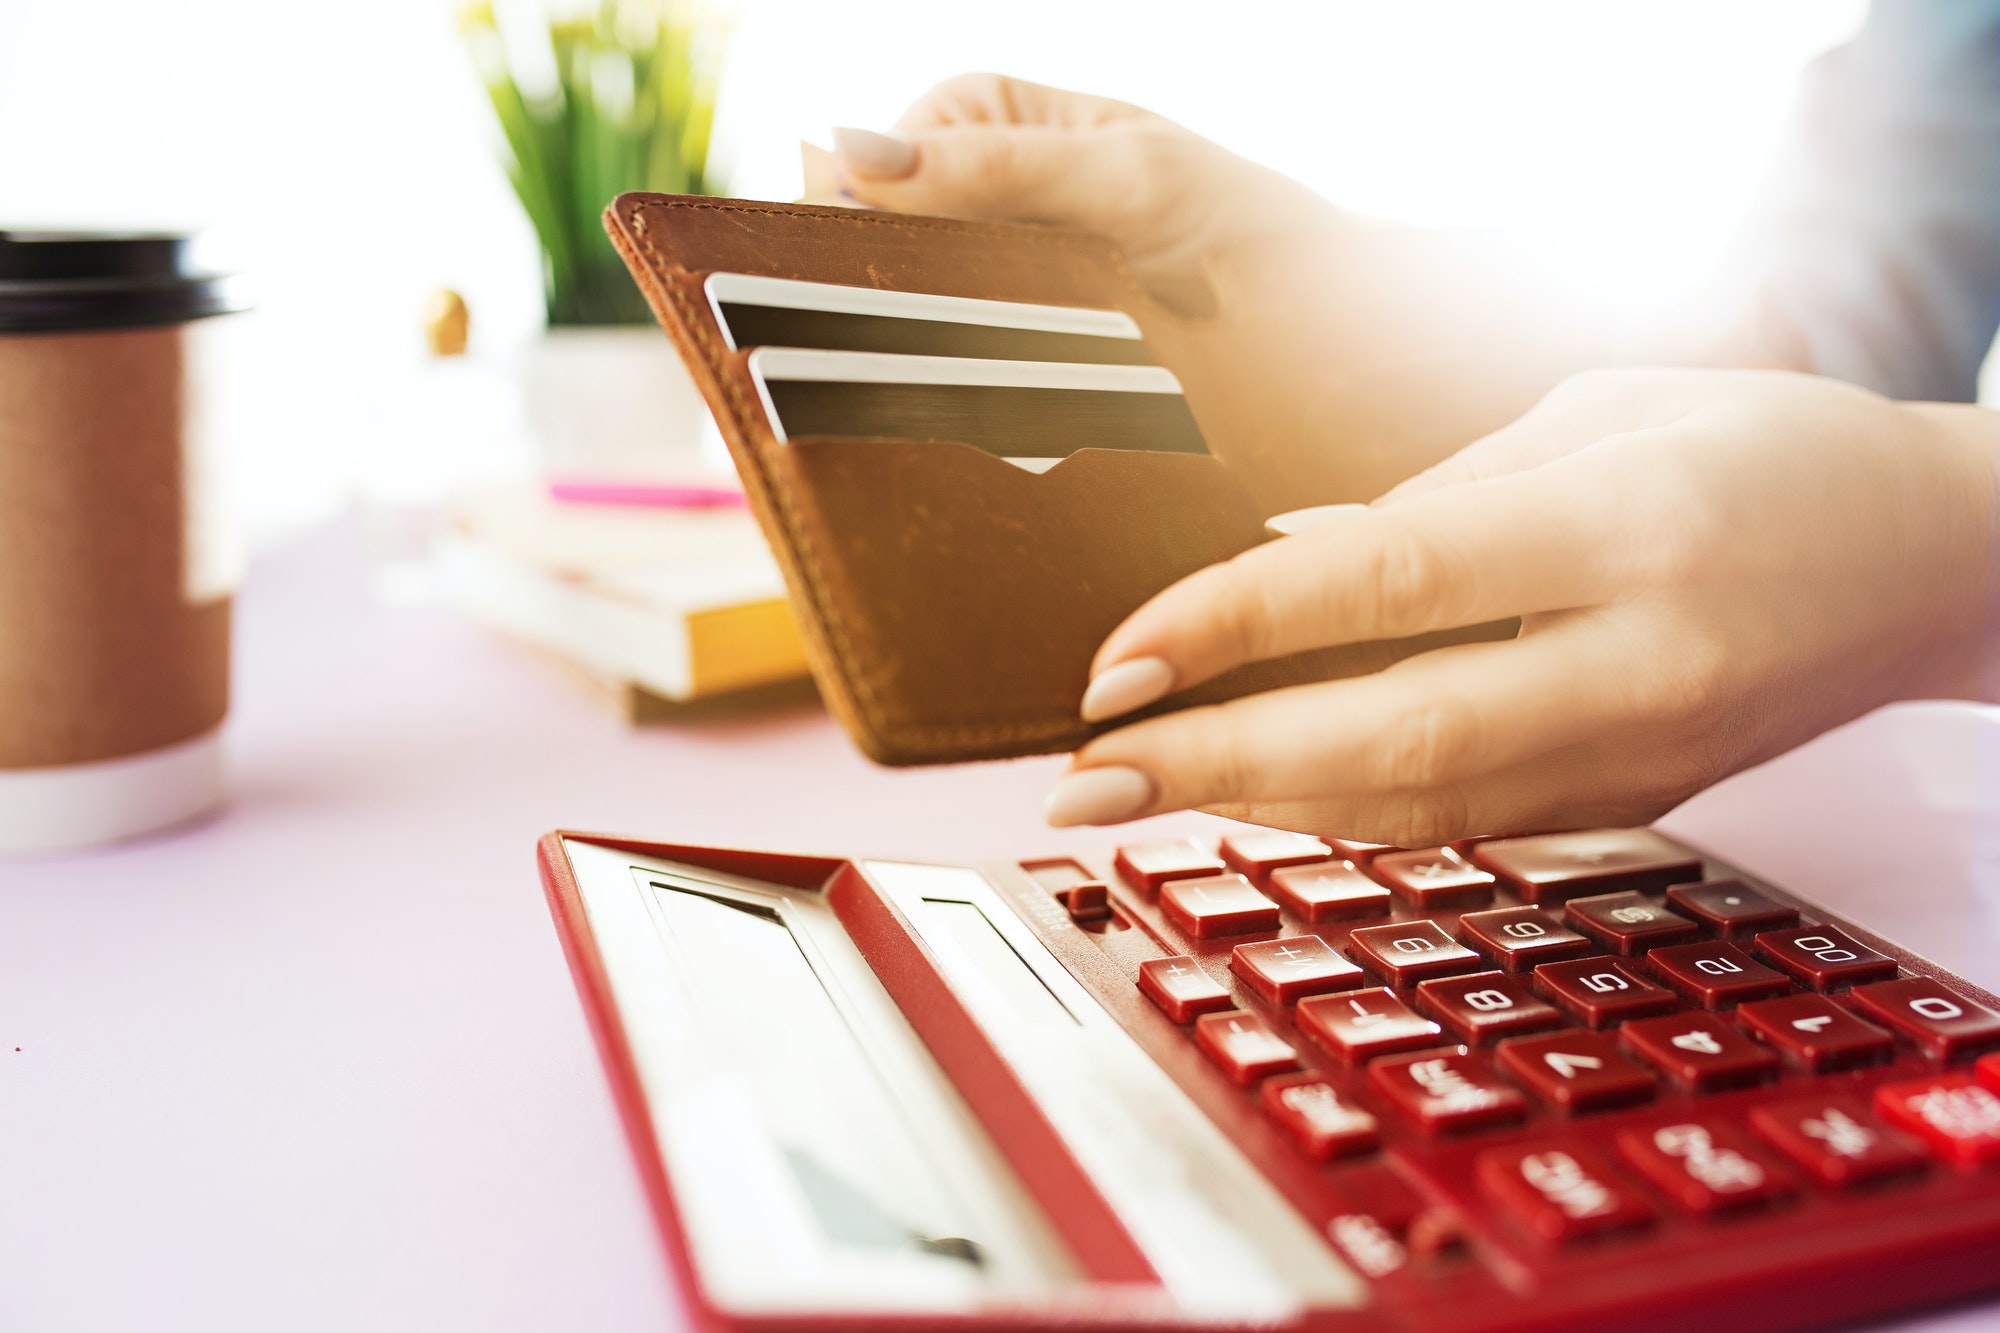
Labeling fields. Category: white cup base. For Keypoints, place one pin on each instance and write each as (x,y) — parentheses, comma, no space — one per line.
(84,805)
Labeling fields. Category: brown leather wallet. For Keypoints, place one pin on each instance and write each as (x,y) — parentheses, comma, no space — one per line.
(951,601)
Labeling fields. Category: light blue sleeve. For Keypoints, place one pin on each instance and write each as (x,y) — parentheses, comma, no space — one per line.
(1880,235)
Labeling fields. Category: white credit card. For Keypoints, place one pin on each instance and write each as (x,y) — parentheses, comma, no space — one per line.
(1032,413)
(779,312)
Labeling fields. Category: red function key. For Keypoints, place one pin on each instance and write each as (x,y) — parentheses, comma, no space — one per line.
(1957,1116)
(1576,1071)
(1943,1024)
(1716,975)
(1601,993)
(1554,866)
(1361,1025)
(1223,905)
(1817,1035)
(1148,865)
(1325,1123)
(1731,909)
(1406,952)
(1486,1006)
(1835,1139)
(1521,938)
(1258,854)
(1244,1047)
(1283,971)
(1182,988)
(1560,1192)
(1824,958)
(1447,1092)
(1329,891)
(1698,1053)
(1628,924)
(1988,1071)
(1704,1166)
(1432,880)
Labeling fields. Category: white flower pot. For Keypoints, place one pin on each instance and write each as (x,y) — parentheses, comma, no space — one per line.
(616,405)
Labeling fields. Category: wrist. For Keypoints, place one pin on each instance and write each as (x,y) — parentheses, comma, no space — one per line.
(1964,660)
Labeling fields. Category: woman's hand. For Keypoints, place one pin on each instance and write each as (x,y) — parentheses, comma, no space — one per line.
(1290,322)
(991,147)
(1710,567)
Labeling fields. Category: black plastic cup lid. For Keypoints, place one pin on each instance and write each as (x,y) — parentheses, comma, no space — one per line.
(54,281)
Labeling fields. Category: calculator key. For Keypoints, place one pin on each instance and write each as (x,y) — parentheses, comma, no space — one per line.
(1553,866)
(1698,1053)
(1560,1192)
(1943,1024)
(1089,901)
(1328,891)
(1221,905)
(1325,1123)
(1731,908)
(1438,878)
(1704,1166)
(1282,971)
(1447,1092)
(1057,874)
(1406,952)
(1358,852)
(1576,1071)
(1816,1034)
(1243,1046)
(1521,938)
(1834,1139)
(1716,975)
(1148,865)
(1824,958)
(1988,1071)
(1180,986)
(1486,1006)
(1629,923)
(1958,1116)
(1600,993)
(1258,854)
(1360,1025)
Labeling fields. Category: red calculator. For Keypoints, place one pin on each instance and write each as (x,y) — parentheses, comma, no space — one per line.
(1588,1080)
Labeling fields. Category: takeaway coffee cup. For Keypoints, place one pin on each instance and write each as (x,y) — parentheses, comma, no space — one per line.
(114,578)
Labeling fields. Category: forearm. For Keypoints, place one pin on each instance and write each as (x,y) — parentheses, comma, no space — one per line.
(1965,660)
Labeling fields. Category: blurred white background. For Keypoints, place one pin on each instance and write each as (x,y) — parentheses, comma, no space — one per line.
(345,154)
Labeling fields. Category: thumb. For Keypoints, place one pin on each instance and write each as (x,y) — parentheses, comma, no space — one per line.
(1073,177)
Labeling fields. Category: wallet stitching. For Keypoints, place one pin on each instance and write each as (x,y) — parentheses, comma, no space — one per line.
(922,733)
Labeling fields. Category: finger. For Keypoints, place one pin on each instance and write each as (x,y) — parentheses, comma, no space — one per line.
(1090,179)
(1570,534)
(1574,415)
(1437,720)
(996,99)
(1583,786)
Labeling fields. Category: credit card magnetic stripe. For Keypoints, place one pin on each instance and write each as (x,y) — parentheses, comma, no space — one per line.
(1019,410)
(779,312)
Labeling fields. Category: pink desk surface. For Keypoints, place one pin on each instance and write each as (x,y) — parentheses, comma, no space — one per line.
(316,1063)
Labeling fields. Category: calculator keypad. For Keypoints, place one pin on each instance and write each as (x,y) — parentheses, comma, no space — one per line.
(1664,1031)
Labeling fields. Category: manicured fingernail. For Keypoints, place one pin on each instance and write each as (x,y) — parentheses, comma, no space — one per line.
(1116,691)
(1109,795)
(878,156)
(1295,521)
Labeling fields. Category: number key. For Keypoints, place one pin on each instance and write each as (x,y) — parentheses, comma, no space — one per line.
(1697,1052)
(1486,1006)
(1824,958)
(1601,993)
(1576,1071)
(1361,1025)
(1521,938)
(1816,1034)
(1944,1025)
(1629,923)
(1406,952)
(1716,975)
